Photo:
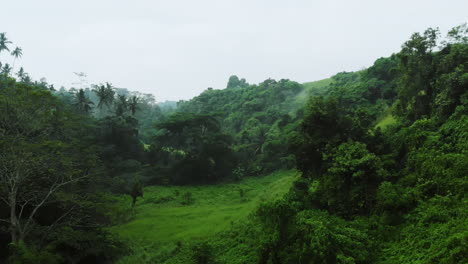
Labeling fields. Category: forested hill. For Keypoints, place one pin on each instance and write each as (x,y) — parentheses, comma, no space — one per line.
(257,119)
(261,119)
(382,156)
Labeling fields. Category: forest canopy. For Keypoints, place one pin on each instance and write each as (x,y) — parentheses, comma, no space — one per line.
(382,156)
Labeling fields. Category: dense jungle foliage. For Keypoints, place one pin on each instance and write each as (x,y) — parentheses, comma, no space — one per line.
(382,155)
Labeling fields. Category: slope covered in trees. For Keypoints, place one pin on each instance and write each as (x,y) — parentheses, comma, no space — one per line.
(367,195)
(382,155)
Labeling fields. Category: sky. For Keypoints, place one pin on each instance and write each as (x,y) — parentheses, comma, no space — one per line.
(175,49)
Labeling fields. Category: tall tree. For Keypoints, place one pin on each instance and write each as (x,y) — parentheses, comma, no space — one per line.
(82,102)
(6,70)
(417,72)
(121,105)
(21,74)
(4,42)
(105,94)
(133,104)
(16,53)
(35,168)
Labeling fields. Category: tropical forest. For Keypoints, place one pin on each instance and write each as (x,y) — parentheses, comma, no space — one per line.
(367,166)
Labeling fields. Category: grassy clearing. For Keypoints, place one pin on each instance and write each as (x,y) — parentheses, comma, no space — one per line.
(312,88)
(166,216)
(317,84)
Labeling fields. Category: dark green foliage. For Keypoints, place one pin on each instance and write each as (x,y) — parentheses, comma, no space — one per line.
(431,84)
(136,190)
(407,181)
(372,196)
(24,254)
(82,102)
(348,186)
(202,253)
(325,123)
(435,233)
(48,179)
(259,118)
(192,149)
(235,82)
(321,238)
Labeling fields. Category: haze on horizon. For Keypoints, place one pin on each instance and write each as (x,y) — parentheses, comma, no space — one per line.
(176,49)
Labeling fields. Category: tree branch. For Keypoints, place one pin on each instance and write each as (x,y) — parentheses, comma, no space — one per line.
(52,190)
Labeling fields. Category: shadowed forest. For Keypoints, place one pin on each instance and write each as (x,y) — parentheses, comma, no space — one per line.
(363,167)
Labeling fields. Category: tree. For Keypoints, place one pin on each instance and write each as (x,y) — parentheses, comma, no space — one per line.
(82,102)
(417,72)
(349,184)
(17,53)
(194,148)
(34,167)
(121,105)
(136,190)
(458,34)
(327,123)
(21,74)
(105,94)
(235,82)
(133,104)
(6,70)
(4,42)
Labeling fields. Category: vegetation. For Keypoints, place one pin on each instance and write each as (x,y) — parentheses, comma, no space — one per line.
(165,221)
(370,167)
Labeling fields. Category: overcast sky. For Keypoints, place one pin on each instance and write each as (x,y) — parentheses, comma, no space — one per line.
(176,49)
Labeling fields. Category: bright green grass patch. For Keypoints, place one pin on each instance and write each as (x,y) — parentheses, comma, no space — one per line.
(312,88)
(386,121)
(317,84)
(161,218)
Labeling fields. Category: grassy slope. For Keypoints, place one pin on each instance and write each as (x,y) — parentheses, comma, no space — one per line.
(310,88)
(160,225)
(317,84)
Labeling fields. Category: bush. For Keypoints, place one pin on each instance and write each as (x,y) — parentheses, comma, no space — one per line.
(201,253)
(26,254)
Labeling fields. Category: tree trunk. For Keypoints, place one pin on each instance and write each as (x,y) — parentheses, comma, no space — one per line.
(13,68)
(14,223)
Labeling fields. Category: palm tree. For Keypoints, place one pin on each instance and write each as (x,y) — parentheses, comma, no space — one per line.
(6,69)
(100,91)
(105,94)
(17,53)
(133,104)
(121,105)
(83,104)
(21,74)
(4,42)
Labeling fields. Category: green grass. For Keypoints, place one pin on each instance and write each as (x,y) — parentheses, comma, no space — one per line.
(385,122)
(312,88)
(161,219)
(317,84)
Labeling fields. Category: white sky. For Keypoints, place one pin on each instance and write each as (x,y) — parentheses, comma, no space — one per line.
(175,49)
